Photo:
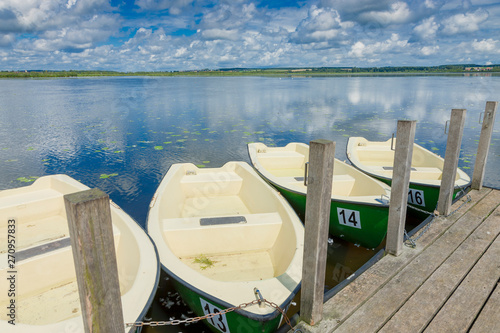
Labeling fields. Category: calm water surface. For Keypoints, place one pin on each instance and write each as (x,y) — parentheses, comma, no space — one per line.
(122,134)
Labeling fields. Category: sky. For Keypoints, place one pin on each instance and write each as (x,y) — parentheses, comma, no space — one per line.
(170,35)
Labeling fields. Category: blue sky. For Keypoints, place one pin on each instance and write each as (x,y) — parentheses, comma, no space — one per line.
(164,35)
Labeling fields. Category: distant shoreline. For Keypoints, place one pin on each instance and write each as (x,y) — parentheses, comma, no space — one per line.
(471,70)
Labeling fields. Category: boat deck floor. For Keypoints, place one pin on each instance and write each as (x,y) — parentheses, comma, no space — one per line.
(214,206)
(248,266)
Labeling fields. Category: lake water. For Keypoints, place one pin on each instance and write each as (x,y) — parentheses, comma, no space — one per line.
(121,134)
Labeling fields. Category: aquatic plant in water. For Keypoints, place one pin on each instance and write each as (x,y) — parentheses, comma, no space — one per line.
(106,176)
(203,261)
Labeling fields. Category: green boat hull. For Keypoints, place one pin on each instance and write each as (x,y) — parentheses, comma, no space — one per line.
(423,197)
(238,321)
(358,223)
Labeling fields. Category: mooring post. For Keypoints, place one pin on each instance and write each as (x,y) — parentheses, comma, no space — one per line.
(400,185)
(452,154)
(317,220)
(484,145)
(92,242)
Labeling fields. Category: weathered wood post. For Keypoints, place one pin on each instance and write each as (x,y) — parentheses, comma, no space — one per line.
(92,242)
(400,185)
(484,145)
(319,194)
(457,122)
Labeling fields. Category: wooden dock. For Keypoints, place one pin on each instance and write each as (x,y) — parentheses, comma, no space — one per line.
(450,282)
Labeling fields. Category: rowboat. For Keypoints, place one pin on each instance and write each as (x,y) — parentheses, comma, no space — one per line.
(377,158)
(41,294)
(359,206)
(226,238)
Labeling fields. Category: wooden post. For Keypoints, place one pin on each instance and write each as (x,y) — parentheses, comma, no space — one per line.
(400,184)
(484,145)
(451,156)
(91,233)
(317,220)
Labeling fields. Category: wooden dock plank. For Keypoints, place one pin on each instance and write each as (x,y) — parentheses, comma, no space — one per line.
(459,312)
(416,313)
(354,295)
(489,318)
(373,314)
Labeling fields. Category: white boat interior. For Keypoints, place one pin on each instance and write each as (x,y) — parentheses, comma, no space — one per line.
(377,158)
(225,229)
(46,290)
(285,166)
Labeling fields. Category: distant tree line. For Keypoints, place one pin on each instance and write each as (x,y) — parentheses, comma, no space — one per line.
(302,71)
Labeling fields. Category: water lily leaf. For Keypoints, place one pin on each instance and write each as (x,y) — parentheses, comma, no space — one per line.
(105,176)
(27,179)
(158,147)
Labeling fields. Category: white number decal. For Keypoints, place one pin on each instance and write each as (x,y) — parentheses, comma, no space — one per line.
(219,321)
(416,197)
(349,217)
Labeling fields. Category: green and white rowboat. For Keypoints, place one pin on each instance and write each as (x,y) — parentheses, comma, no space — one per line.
(359,204)
(33,221)
(377,158)
(221,233)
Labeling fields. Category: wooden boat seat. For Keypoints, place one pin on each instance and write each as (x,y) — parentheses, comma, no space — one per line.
(38,218)
(426,173)
(56,288)
(281,160)
(32,205)
(228,183)
(429,173)
(187,237)
(342,184)
(375,156)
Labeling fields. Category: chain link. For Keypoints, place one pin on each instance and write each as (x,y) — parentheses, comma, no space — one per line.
(412,242)
(210,315)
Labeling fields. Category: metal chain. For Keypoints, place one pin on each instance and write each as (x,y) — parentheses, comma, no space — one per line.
(468,199)
(411,242)
(210,315)
(419,210)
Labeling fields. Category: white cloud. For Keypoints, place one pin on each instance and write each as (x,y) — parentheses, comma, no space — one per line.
(219,34)
(357,6)
(362,50)
(243,33)
(427,29)
(174,7)
(322,24)
(464,23)
(486,45)
(6,40)
(429,50)
(70,3)
(358,50)
(398,13)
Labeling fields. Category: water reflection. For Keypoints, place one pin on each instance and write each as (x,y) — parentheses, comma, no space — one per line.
(136,127)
